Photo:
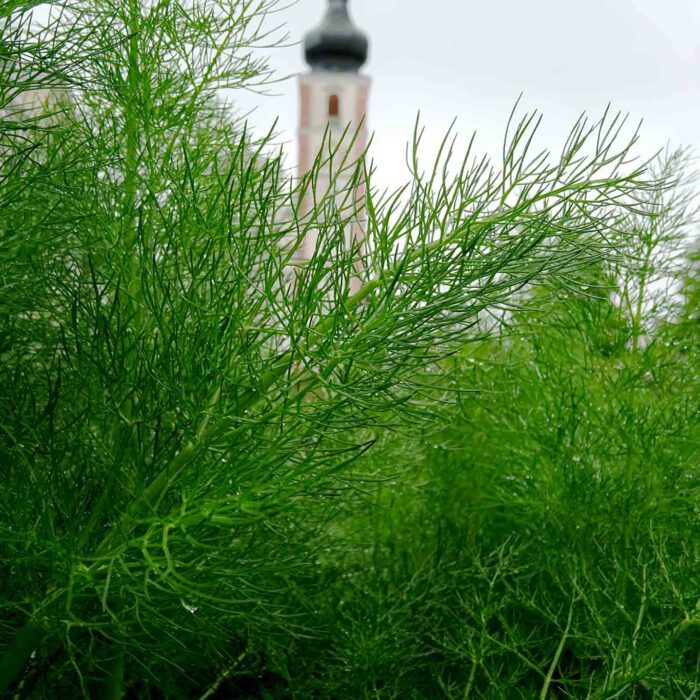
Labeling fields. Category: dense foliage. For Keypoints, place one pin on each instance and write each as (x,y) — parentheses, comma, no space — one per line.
(459,461)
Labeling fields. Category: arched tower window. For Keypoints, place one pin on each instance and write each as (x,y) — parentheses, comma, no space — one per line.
(333,106)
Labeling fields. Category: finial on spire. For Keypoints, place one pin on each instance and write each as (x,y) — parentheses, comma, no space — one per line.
(336,44)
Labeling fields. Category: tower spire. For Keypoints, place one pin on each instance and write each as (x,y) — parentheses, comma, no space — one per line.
(333,126)
(336,45)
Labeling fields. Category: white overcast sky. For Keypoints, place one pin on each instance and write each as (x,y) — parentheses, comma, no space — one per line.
(471,59)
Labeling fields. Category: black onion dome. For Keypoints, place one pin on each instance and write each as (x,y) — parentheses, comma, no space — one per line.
(336,44)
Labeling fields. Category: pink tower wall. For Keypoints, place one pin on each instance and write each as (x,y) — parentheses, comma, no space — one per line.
(315,90)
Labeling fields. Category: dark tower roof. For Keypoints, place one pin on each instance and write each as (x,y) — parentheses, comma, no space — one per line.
(336,44)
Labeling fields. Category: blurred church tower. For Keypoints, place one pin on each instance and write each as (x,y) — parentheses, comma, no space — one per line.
(333,100)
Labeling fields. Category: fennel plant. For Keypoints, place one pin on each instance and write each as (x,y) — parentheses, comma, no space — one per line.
(182,426)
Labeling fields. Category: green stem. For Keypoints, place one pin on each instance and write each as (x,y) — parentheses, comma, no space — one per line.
(113,687)
(18,653)
(133,129)
(552,667)
(637,318)
(28,637)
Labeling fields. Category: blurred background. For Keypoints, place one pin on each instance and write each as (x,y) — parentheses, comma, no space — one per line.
(471,60)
